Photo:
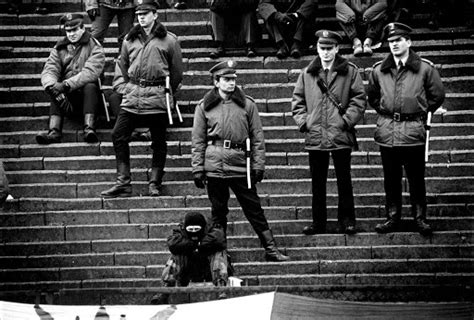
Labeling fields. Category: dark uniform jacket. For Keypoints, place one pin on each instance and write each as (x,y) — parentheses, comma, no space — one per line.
(78,63)
(327,128)
(213,241)
(148,59)
(416,89)
(368,10)
(234,120)
(305,8)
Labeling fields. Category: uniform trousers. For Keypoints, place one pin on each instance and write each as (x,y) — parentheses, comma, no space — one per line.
(248,26)
(125,124)
(412,158)
(86,99)
(101,23)
(319,165)
(370,30)
(218,191)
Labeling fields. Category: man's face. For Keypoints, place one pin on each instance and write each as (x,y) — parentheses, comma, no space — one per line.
(327,52)
(399,46)
(146,19)
(225,84)
(74,34)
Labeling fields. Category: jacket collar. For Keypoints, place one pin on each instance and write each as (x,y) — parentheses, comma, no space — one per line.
(413,62)
(159,30)
(64,42)
(340,65)
(212,98)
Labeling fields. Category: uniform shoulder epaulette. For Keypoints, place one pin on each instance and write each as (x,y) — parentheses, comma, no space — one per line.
(200,102)
(96,41)
(428,62)
(171,34)
(250,98)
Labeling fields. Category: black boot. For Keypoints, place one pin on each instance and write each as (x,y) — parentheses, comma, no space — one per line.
(154,186)
(89,128)
(271,251)
(54,134)
(394,214)
(419,214)
(122,187)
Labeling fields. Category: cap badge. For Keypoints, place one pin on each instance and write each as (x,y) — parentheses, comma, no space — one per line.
(69,16)
(325,34)
(230,63)
(391,26)
(140,1)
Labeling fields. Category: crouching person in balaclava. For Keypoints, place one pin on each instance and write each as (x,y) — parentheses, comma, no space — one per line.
(198,254)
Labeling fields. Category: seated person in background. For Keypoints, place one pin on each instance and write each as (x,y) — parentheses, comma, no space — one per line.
(70,77)
(198,254)
(4,189)
(362,17)
(240,13)
(287,22)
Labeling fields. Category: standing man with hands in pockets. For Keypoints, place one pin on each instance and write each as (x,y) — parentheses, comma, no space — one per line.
(328,101)
(223,120)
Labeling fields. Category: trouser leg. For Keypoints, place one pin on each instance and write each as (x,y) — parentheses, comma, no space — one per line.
(342,166)
(101,23)
(218,192)
(318,165)
(158,126)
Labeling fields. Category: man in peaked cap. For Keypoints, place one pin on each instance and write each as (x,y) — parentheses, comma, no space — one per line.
(327,115)
(150,55)
(70,77)
(403,88)
(223,122)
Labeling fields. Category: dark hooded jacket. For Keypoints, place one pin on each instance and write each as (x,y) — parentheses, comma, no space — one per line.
(416,89)
(327,128)
(234,120)
(149,59)
(78,63)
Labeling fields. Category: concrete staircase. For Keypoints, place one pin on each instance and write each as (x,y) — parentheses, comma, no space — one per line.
(61,239)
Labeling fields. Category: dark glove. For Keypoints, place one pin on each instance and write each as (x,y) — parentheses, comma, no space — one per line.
(49,91)
(200,180)
(92,13)
(283,18)
(303,128)
(64,103)
(58,88)
(256,176)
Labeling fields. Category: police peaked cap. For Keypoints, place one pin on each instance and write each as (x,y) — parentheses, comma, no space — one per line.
(328,37)
(146,5)
(224,69)
(71,20)
(395,30)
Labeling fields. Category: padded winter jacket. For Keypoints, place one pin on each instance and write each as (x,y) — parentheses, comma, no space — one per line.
(305,8)
(415,90)
(327,128)
(369,10)
(78,64)
(148,59)
(234,120)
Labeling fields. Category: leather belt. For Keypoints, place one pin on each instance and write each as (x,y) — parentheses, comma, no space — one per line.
(148,83)
(399,117)
(227,144)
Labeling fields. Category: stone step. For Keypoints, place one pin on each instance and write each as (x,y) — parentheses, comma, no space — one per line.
(240,255)
(37,247)
(355,266)
(184,172)
(290,228)
(61,204)
(301,185)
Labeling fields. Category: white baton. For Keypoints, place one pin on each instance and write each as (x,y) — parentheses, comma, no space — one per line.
(428,128)
(249,181)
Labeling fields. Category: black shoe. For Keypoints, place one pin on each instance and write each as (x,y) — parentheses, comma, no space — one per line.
(312,229)
(217,52)
(388,226)
(90,136)
(423,228)
(180,5)
(350,229)
(282,52)
(251,52)
(296,50)
(53,136)
(118,191)
(154,190)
